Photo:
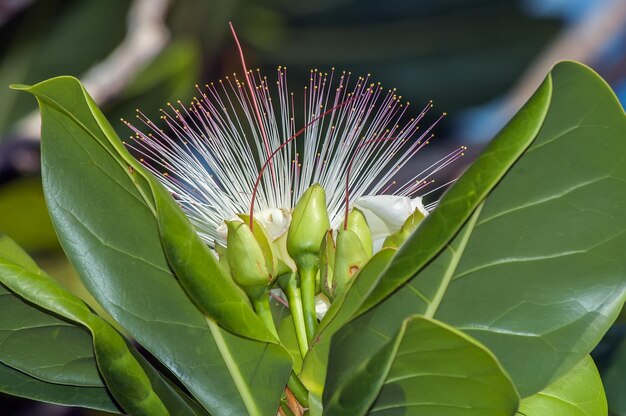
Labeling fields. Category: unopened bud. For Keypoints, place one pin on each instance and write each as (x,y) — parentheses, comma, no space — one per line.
(264,240)
(309,222)
(327,264)
(350,257)
(246,260)
(358,225)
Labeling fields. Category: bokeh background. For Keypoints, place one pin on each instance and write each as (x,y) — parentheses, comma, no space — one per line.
(479,60)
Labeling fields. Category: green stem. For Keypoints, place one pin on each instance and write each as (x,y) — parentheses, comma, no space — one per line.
(299,391)
(262,309)
(292,291)
(307,286)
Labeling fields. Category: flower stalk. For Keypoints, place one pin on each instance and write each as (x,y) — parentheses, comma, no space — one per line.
(290,286)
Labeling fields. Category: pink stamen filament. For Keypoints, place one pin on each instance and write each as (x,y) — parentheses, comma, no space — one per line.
(252,94)
(286,142)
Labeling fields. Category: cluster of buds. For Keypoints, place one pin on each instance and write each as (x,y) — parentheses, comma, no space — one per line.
(310,262)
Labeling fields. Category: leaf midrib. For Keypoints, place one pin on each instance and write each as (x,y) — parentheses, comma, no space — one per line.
(233,369)
(456,258)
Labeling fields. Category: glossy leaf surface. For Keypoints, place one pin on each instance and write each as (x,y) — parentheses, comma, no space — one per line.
(59,355)
(39,344)
(579,392)
(124,376)
(536,273)
(463,197)
(16,383)
(428,368)
(113,240)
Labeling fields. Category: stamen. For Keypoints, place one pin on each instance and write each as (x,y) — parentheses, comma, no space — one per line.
(292,138)
(215,170)
(252,94)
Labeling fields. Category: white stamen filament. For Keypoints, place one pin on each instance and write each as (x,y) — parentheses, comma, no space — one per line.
(212,155)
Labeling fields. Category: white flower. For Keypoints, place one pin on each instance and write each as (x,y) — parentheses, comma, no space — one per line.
(385,214)
(353,138)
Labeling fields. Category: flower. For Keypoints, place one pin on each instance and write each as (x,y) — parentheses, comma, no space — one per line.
(357,136)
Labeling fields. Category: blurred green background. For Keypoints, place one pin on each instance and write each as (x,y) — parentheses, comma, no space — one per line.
(477,59)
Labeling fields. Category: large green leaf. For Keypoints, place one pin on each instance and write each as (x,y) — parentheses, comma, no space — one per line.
(16,383)
(428,368)
(463,197)
(537,273)
(112,237)
(44,346)
(124,363)
(197,269)
(39,344)
(578,392)
(124,376)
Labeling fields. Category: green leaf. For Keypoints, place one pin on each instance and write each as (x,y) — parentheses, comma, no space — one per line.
(37,343)
(16,383)
(578,392)
(427,368)
(44,346)
(111,236)
(463,197)
(124,376)
(288,339)
(197,269)
(11,254)
(536,274)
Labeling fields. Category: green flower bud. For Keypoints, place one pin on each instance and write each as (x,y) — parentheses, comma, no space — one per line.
(396,239)
(265,243)
(246,260)
(309,222)
(358,225)
(327,264)
(350,257)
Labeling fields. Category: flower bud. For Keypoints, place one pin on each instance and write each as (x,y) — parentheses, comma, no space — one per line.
(350,257)
(264,240)
(396,239)
(357,223)
(246,260)
(327,264)
(309,222)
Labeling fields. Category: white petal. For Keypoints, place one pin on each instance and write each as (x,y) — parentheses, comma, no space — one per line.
(275,221)
(385,214)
